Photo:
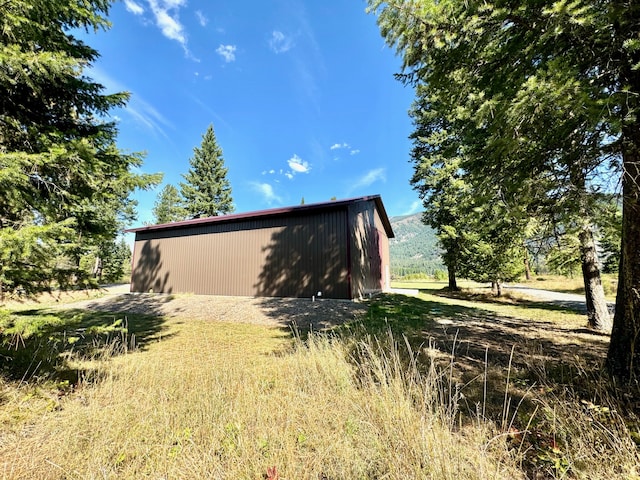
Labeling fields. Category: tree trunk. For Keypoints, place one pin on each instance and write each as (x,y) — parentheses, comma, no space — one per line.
(97,268)
(623,358)
(453,283)
(597,310)
(527,265)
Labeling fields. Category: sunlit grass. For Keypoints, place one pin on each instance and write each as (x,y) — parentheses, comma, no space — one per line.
(215,400)
(554,283)
(515,307)
(511,304)
(477,390)
(433,284)
(558,283)
(55,297)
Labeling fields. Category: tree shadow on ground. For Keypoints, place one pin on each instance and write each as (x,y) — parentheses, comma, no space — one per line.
(304,316)
(291,314)
(551,304)
(477,329)
(52,340)
(481,349)
(151,304)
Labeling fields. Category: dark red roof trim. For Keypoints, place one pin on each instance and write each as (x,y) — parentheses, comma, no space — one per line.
(271,212)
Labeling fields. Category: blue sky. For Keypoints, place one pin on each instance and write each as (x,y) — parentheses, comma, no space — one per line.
(301,95)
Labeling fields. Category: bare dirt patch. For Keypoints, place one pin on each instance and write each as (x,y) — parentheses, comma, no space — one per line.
(281,312)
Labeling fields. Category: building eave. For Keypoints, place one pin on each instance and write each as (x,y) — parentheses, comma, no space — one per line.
(297,209)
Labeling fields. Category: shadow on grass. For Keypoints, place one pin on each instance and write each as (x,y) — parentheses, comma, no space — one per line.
(551,304)
(484,347)
(39,344)
(133,303)
(301,316)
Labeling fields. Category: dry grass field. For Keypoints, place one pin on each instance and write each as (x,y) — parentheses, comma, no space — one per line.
(558,283)
(426,387)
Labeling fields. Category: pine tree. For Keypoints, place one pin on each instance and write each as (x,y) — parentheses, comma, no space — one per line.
(207,191)
(168,206)
(64,184)
(546,98)
(110,261)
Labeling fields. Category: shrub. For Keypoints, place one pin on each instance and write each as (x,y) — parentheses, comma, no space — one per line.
(440,275)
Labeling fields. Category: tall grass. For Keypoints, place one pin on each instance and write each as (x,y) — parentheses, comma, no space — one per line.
(216,400)
(204,399)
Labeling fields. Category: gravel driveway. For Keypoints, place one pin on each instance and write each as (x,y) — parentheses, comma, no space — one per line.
(568,300)
(283,312)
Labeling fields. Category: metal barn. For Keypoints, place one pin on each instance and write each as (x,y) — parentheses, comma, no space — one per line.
(337,249)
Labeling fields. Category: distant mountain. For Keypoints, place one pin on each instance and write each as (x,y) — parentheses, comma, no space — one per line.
(414,248)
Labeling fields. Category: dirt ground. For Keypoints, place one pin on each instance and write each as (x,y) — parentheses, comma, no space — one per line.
(465,330)
(302,313)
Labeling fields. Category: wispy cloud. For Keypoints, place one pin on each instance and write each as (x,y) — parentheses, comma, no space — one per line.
(144,114)
(279,42)
(344,146)
(166,13)
(166,16)
(133,7)
(207,108)
(148,116)
(228,52)
(337,146)
(307,58)
(297,165)
(413,208)
(202,19)
(266,191)
(372,176)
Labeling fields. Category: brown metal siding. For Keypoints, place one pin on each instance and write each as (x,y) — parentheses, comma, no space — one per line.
(283,256)
(358,261)
(385,257)
(370,249)
(360,219)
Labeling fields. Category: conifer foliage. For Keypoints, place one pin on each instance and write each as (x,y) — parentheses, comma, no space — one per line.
(544,101)
(207,191)
(168,207)
(64,184)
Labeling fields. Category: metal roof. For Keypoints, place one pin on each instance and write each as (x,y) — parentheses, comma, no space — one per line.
(274,212)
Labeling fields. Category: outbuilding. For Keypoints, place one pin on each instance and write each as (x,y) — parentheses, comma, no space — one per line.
(337,249)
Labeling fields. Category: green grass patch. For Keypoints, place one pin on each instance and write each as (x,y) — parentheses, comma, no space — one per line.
(531,368)
(427,284)
(553,283)
(44,344)
(574,285)
(431,386)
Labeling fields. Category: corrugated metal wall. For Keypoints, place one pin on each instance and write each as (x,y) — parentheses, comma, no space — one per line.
(370,250)
(359,258)
(281,256)
(385,256)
